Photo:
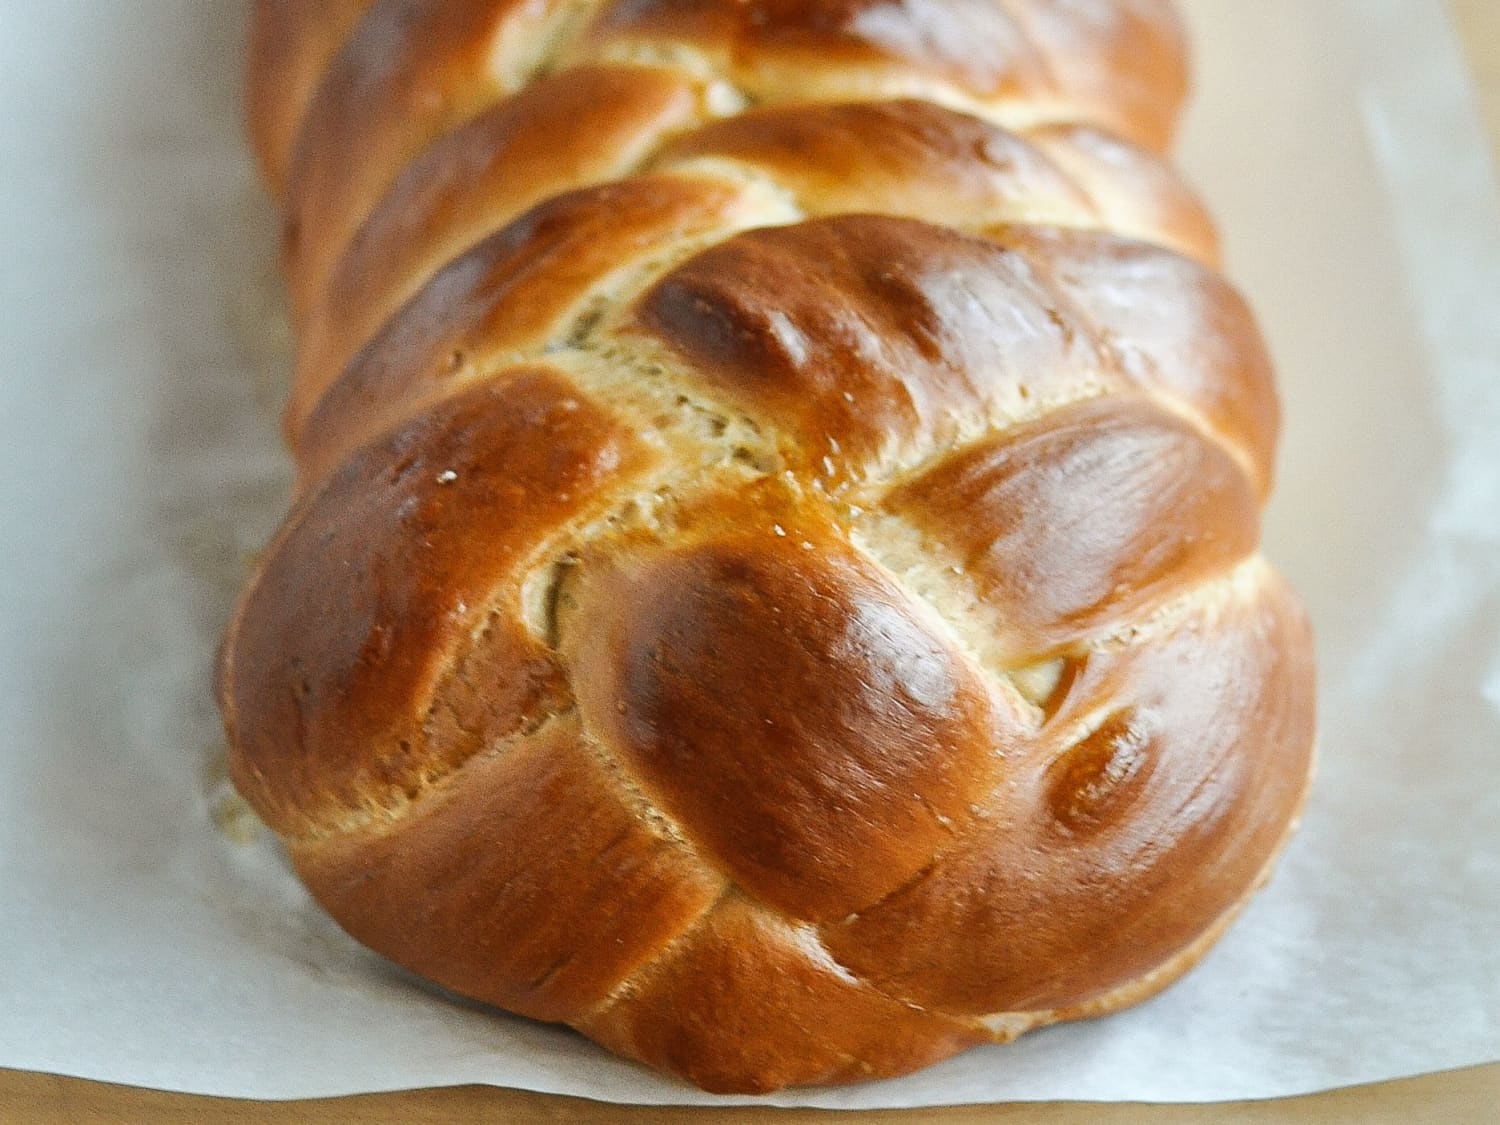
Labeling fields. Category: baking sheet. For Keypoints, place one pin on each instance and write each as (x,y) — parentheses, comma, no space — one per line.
(149,933)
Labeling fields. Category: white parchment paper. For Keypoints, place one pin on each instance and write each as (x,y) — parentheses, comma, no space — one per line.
(150,935)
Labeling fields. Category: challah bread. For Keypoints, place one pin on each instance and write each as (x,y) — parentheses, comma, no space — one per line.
(773,582)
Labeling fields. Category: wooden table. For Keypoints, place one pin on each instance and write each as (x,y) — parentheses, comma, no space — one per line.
(1459,1096)
(1479,24)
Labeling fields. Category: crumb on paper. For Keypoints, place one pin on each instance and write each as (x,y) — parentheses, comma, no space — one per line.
(235,819)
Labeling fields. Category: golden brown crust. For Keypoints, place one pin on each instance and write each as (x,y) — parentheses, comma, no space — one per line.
(476,179)
(510,295)
(886,335)
(1174,800)
(1104,507)
(483,863)
(916,159)
(757,1004)
(773,579)
(1170,326)
(1121,64)
(1136,195)
(397,581)
(410,70)
(782,699)
(291,44)
(974,44)
(1125,60)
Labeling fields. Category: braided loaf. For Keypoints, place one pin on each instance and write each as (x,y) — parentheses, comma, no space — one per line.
(773,580)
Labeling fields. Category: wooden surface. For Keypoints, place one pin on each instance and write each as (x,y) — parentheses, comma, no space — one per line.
(1479,25)
(1457,1097)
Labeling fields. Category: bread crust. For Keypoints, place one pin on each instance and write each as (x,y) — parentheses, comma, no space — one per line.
(774,580)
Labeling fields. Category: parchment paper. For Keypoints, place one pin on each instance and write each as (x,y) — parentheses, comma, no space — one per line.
(149,933)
